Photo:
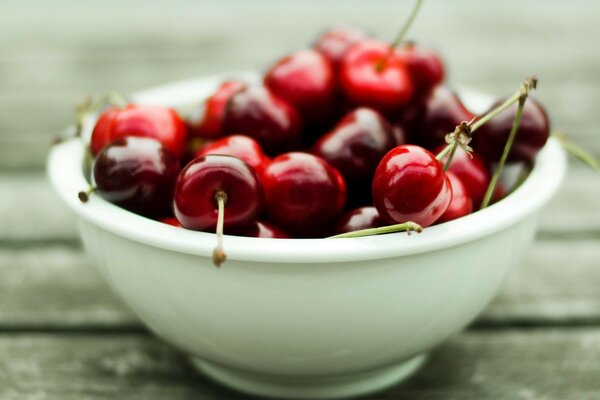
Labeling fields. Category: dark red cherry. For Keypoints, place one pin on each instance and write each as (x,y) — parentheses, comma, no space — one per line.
(208,123)
(472,171)
(157,122)
(202,180)
(425,67)
(305,79)
(137,174)
(410,185)
(372,76)
(532,135)
(303,193)
(262,229)
(357,143)
(171,221)
(441,112)
(240,146)
(357,219)
(335,42)
(262,115)
(461,203)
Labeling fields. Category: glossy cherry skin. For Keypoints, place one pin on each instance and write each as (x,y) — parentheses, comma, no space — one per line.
(262,115)
(160,123)
(357,143)
(472,171)
(240,146)
(357,219)
(137,174)
(335,42)
(303,193)
(262,229)
(171,221)
(461,203)
(195,203)
(208,123)
(410,185)
(365,83)
(532,135)
(425,67)
(439,115)
(306,80)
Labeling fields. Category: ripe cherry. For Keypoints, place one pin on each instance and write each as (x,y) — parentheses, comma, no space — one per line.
(335,42)
(357,219)
(137,174)
(303,193)
(425,67)
(171,221)
(305,79)
(461,203)
(208,123)
(160,123)
(532,134)
(262,115)
(371,75)
(410,185)
(240,146)
(262,229)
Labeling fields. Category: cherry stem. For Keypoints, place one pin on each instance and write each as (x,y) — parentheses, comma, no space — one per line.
(381,64)
(449,151)
(507,147)
(576,151)
(84,195)
(219,255)
(408,227)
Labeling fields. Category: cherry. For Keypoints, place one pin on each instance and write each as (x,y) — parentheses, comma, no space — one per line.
(357,219)
(461,203)
(160,123)
(262,115)
(472,171)
(171,221)
(262,229)
(305,79)
(240,146)
(303,193)
(532,134)
(209,122)
(335,42)
(425,67)
(137,174)
(410,185)
(441,112)
(372,75)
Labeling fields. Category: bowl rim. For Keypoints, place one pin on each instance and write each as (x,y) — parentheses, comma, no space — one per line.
(66,175)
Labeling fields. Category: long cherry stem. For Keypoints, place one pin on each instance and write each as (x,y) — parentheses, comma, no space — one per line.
(404,227)
(219,255)
(576,151)
(84,195)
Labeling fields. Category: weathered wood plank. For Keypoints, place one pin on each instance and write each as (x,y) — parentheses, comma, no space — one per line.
(513,364)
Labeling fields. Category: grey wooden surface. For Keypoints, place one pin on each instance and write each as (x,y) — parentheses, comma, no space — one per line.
(63,335)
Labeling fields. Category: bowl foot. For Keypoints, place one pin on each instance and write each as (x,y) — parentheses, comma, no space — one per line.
(310,388)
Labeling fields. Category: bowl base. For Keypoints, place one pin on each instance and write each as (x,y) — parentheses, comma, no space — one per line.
(310,388)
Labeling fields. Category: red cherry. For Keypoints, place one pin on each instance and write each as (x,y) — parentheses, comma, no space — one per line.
(532,135)
(195,203)
(335,42)
(240,146)
(137,174)
(262,229)
(171,221)
(439,115)
(372,76)
(305,79)
(461,203)
(472,171)
(410,185)
(303,193)
(160,123)
(262,115)
(357,219)
(208,123)
(425,67)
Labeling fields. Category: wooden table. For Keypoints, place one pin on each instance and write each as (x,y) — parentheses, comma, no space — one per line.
(63,335)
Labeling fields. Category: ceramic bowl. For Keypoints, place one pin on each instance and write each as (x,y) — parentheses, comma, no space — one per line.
(305,318)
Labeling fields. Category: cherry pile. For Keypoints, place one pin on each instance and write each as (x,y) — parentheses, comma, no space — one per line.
(346,135)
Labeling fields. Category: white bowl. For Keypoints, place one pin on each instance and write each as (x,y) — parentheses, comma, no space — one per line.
(305,318)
